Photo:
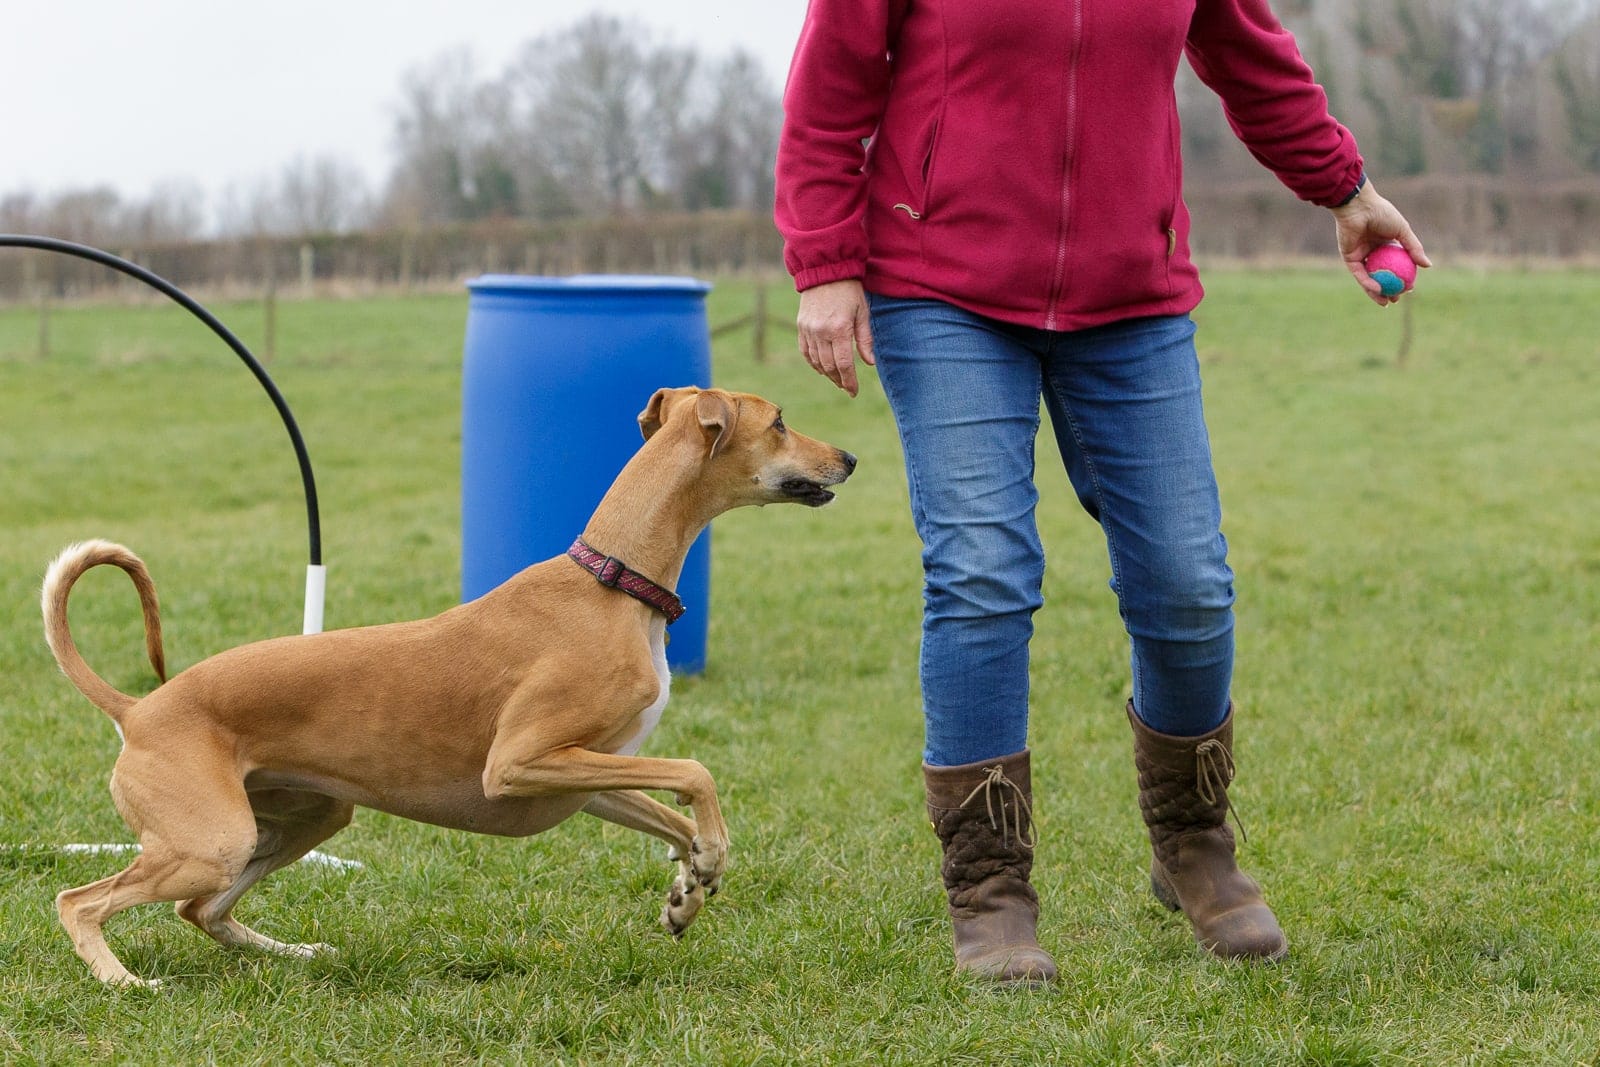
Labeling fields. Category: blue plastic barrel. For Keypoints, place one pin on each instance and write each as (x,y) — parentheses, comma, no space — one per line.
(556,372)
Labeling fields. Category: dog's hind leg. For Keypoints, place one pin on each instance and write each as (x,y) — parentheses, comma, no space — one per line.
(639,811)
(155,876)
(197,835)
(288,824)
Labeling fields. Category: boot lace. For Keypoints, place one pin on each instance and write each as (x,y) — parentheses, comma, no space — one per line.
(995,781)
(1213,773)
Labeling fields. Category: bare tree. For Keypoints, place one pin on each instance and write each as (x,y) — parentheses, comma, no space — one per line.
(90,216)
(1576,74)
(584,98)
(20,213)
(246,210)
(609,121)
(669,134)
(175,211)
(322,195)
(449,132)
(742,125)
(310,196)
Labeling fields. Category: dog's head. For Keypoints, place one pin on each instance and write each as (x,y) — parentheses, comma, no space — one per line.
(744,437)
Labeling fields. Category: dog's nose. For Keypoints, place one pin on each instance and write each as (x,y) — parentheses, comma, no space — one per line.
(849,462)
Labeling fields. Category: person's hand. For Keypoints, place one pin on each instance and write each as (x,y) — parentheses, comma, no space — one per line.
(833,326)
(1365,223)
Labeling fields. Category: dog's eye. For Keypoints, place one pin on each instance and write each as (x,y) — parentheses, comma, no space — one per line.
(777,424)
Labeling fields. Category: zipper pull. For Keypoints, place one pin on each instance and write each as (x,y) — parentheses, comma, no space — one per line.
(916,214)
(1172,241)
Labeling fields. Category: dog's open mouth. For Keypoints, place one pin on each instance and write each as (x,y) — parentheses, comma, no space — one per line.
(805,491)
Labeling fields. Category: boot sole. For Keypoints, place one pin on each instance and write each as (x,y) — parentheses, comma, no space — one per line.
(1032,975)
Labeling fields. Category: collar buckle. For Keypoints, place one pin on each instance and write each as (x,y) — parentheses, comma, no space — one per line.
(610,572)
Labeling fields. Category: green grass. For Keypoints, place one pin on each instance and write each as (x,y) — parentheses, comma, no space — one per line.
(1418,551)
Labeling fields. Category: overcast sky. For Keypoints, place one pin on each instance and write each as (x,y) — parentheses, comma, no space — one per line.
(220,93)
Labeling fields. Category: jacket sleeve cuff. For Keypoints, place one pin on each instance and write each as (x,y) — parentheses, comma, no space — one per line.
(823,273)
(1351,182)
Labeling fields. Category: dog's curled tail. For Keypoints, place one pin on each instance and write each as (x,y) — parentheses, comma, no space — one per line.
(67,568)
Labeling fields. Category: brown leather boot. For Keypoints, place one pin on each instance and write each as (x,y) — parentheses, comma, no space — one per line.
(983,815)
(1183,795)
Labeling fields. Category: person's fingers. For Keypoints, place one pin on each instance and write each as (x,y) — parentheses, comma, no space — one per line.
(864,338)
(808,350)
(829,356)
(823,357)
(844,366)
(1413,245)
(1373,290)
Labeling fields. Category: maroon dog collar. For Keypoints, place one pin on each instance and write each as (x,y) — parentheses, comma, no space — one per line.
(614,574)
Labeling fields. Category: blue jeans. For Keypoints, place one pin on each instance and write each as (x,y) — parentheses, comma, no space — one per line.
(1124,400)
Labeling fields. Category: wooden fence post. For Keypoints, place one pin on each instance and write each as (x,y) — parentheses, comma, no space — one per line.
(758,322)
(32,286)
(761,322)
(269,328)
(44,325)
(1405,331)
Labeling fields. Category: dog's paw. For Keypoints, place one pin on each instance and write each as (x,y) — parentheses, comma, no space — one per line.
(684,901)
(708,860)
(306,952)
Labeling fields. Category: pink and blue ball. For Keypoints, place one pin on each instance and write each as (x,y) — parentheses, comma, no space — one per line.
(1390,265)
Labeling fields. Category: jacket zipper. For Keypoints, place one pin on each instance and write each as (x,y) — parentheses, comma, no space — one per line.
(1051,319)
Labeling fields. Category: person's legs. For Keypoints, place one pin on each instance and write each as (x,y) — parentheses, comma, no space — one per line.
(965,395)
(1124,401)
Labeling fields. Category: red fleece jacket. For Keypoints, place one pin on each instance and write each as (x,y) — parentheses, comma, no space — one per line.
(1020,158)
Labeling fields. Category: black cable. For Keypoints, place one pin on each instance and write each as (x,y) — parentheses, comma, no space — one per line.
(51,244)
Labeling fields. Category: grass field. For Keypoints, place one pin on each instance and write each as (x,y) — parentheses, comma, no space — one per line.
(1418,557)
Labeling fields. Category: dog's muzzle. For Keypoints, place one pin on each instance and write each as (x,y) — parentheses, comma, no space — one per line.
(805,491)
(814,493)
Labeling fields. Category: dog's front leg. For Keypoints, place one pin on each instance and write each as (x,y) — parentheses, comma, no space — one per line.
(637,811)
(564,771)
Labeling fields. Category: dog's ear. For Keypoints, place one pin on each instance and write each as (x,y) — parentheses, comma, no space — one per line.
(718,414)
(654,415)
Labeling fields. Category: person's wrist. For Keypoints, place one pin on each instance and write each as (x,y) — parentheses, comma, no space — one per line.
(1355,194)
(1362,187)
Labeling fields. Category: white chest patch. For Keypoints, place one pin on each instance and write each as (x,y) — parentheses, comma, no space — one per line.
(649,717)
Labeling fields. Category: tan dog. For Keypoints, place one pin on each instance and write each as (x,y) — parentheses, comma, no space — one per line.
(502,716)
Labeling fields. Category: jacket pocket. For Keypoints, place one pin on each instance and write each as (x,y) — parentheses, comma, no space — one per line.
(1169,220)
(926,172)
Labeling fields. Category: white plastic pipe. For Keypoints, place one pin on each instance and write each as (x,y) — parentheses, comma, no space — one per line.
(316,594)
(78,848)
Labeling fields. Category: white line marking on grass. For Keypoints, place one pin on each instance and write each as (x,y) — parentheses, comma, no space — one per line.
(321,859)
